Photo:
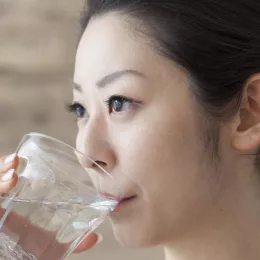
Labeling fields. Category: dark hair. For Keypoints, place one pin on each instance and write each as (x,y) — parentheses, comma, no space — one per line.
(217,42)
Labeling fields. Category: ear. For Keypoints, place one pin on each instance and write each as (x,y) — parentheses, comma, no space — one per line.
(247,134)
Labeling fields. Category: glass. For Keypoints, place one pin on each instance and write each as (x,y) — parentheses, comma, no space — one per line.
(57,202)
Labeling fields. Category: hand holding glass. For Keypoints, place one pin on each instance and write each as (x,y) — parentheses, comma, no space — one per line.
(56,203)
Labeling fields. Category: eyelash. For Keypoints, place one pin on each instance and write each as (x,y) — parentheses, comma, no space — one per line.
(123,99)
(72,108)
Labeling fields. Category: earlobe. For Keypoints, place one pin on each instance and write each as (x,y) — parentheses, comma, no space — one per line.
(247,140)
(247,134)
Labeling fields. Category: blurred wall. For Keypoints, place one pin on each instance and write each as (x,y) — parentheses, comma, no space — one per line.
(37,49)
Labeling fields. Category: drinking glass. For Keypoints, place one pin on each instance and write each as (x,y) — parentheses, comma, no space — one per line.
(58,200)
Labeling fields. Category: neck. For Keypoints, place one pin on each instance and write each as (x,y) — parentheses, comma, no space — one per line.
(217,246)
(232,233)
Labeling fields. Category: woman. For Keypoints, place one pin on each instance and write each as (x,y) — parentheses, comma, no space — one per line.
(167,97)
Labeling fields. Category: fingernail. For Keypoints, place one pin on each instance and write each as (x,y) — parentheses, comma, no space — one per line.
(8,176)
(100,238)
(9,158)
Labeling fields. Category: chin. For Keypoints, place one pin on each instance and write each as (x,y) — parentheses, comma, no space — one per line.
(134,236)
(133,227)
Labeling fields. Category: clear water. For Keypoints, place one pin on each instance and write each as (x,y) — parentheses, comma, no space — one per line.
(43,230)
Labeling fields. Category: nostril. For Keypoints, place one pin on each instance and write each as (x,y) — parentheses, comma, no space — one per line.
(100,167)
(100,163)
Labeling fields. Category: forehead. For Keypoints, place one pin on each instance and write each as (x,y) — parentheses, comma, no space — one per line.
(108,44)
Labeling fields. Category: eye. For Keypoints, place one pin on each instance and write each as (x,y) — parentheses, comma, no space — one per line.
(117,104)
(77,109)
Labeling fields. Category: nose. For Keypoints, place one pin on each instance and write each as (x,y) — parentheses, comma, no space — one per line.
(95,143)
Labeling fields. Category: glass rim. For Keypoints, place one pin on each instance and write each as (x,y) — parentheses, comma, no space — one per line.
(44,136)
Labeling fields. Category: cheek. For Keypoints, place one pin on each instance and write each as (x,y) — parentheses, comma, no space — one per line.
(157,149)
(167,160)
(166,163)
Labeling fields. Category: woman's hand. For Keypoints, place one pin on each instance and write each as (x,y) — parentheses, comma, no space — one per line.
(8,179)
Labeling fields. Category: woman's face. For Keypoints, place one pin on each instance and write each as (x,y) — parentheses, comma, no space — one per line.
(138,119)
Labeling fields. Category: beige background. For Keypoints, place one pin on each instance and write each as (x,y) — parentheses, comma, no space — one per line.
(37,48)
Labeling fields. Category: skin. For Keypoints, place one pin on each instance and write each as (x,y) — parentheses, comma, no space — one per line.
(155,148)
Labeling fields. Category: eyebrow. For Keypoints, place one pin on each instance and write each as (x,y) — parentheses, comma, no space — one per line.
(110,78)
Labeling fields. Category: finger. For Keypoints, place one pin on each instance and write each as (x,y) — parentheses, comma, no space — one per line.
(8,162)
(8,181)
(91,240)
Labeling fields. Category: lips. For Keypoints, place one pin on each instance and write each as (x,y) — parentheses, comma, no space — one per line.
(126,199)
(117,198)
(123,202)
(109,196)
